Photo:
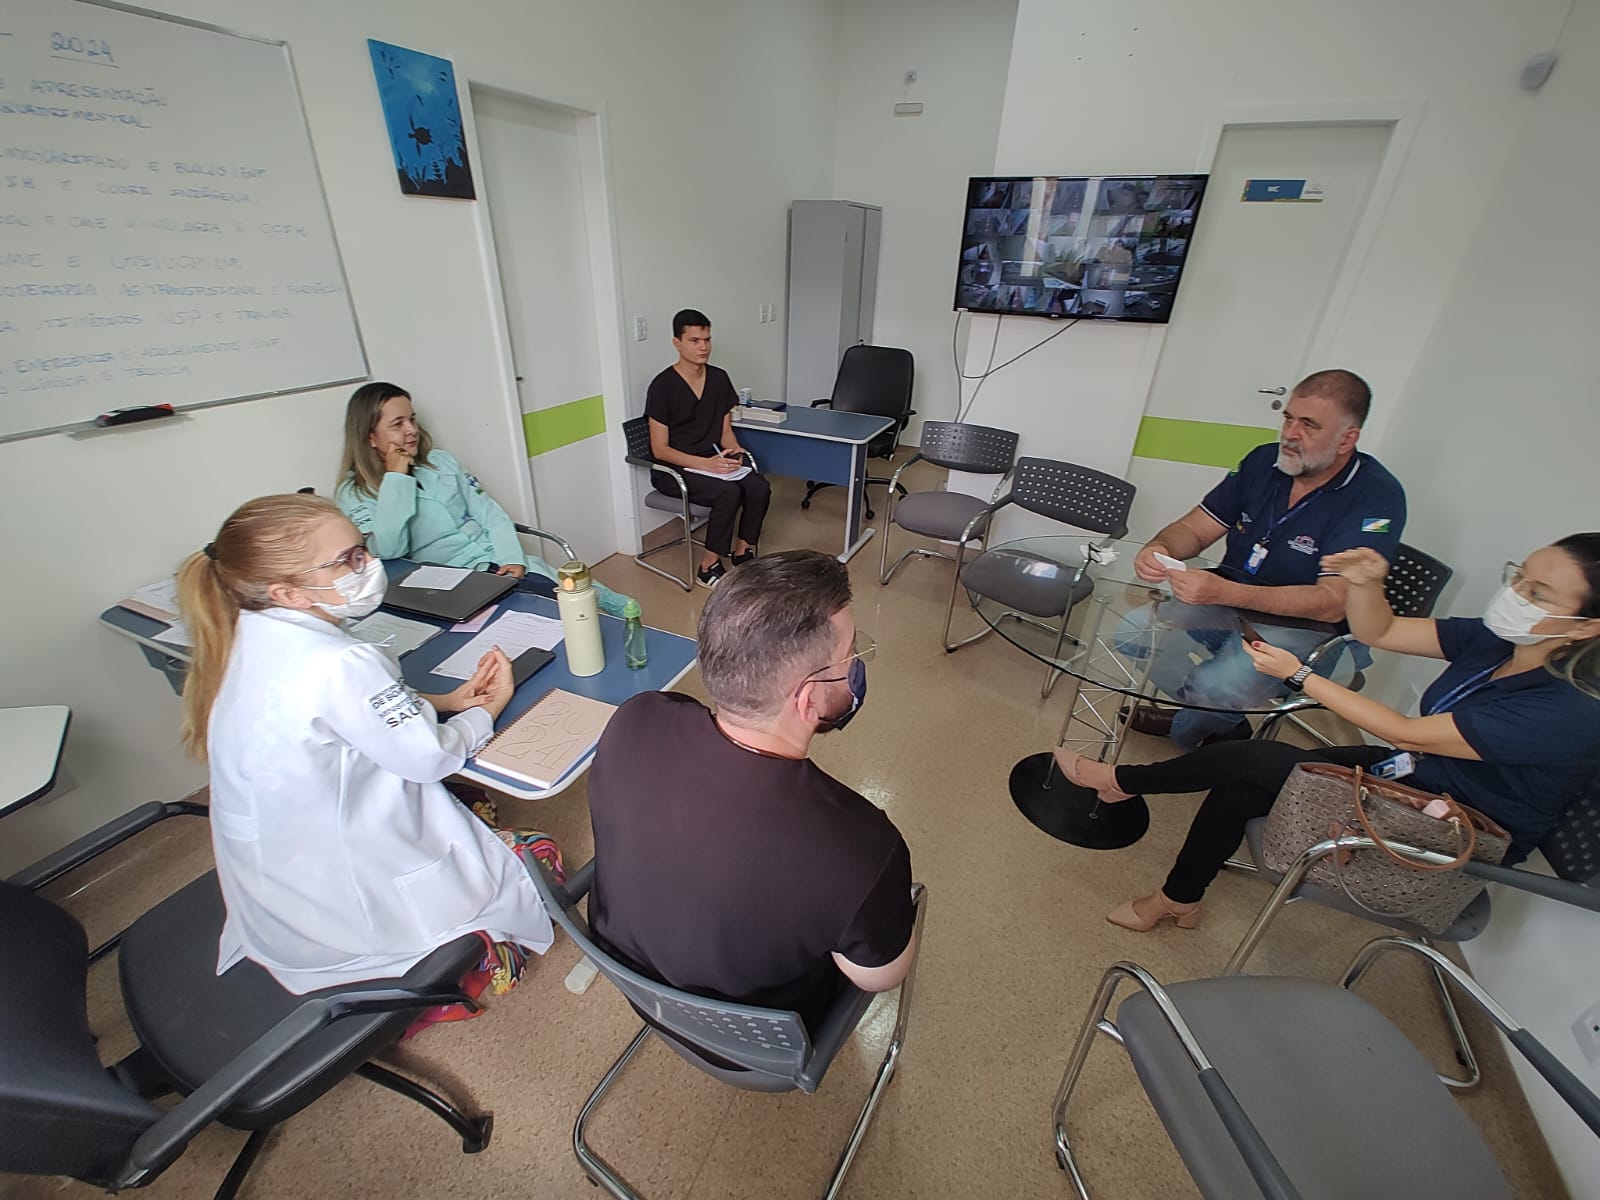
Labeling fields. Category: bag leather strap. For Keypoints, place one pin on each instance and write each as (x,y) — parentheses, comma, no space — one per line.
(1457,816)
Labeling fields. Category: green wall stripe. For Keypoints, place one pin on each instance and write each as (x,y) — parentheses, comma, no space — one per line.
(551,428)
(1205,443)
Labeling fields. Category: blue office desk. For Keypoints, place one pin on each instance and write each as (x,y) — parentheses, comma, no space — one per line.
(671,655)
(819,444)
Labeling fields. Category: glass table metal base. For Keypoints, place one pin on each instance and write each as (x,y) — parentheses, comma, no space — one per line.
(1073,814)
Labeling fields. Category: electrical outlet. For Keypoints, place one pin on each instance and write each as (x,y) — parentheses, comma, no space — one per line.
(641,329)
(761,314)
(1587,1030)
(772,312)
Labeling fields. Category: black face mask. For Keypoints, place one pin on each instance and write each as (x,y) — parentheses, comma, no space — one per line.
(856,677)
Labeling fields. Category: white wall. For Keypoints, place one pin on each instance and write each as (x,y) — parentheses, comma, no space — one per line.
(1144,86)
(1496,439)
(917,168)
(717,113)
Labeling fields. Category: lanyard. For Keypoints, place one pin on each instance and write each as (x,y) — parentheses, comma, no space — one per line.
(1461,691)
(1266,537)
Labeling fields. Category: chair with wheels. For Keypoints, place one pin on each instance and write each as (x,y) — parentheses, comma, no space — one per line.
(942,514)
(757,1049)
(1286,1088)
(1572,850)
(238,1048)
(1038,590)
(875,380)
(637,431)
(1413,586)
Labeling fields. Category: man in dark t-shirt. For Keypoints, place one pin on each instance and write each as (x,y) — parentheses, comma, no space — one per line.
(689,406)
(726,862)
(1286,506)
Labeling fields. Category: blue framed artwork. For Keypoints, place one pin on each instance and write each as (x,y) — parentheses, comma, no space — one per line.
(420,106)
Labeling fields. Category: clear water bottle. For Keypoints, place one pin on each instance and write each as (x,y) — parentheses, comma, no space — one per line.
(633,647)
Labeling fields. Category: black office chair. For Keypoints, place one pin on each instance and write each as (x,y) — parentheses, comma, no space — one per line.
(1290,1088)
(637,431)
(1030,586)
(1572,849)
(240,1049)
(943,514)
(1413,586)
(757,1049)
(875,380)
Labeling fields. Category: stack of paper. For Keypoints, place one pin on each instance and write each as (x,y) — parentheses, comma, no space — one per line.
(514,632)
(395,634)
(158,601)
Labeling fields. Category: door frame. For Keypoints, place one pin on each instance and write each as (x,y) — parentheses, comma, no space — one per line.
(594,164)
(1403,114)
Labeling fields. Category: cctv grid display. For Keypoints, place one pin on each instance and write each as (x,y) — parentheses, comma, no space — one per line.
(1101,247)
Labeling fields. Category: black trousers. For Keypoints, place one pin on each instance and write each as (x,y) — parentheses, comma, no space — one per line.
(1244,778)
(741,502)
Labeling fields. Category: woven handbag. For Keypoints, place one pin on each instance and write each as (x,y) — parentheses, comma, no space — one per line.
(1320,801)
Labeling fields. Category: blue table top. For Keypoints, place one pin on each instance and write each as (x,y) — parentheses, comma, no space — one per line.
(822,423)
(670,657)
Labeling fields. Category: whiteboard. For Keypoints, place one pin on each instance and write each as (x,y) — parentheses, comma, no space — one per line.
(164,237)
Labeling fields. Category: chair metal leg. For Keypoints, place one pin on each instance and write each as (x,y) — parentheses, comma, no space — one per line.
(1094,1023)
(1281,895)
(1464,1054)
(596,1168)
(475,1131)
(246,1158)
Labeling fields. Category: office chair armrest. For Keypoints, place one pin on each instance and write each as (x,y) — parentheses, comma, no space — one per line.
(1259,1160)
(894,480)
(159,1145)
(565,545)
(110,835)
(981,517)
(1567,891)
(825,402)
(1579,1098)
(1322,649)
(655,464)
(576,887)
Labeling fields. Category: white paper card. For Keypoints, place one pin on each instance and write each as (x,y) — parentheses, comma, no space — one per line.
(395,634)
(442,578)
(176,634)
(514,632)
(163,594)
(1170,563)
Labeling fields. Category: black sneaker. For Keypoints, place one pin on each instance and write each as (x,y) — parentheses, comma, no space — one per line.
(739,560)
(710,576)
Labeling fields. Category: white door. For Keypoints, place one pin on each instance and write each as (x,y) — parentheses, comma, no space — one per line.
(532,172)
(1253,297)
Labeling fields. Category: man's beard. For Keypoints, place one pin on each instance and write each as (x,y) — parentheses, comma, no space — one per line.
(1298,464)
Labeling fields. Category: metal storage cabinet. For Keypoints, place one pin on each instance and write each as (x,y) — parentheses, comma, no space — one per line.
(833,284)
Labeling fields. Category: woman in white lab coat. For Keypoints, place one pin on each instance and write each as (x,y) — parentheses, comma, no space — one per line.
(340,853)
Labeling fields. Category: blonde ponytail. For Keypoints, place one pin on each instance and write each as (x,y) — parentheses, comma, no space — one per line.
(263,543)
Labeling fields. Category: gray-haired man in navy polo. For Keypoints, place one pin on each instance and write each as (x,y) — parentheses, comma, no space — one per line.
(1286,505)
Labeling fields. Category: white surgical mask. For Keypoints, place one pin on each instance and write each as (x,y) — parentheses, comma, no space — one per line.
(362,591)
(1511,618)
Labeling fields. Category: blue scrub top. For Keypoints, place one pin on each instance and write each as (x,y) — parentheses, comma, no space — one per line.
(1537,735)
(1363,506)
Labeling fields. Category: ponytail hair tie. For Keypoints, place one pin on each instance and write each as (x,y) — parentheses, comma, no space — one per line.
(211,551)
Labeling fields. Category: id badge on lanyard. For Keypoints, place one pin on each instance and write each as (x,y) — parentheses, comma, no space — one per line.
(1258,555)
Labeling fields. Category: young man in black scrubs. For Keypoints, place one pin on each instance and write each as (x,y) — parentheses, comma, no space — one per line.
(726,862)
(689,406)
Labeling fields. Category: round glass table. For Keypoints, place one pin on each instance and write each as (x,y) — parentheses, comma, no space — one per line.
(1119,642)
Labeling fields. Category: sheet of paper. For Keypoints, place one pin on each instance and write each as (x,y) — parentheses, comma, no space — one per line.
(514,632)
(176,634)
(395,634)
(476,621)
(435,577)
(729,476)
(1170,563)
(163,595)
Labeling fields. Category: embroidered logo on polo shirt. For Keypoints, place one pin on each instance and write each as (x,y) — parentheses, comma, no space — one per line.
(1374,524)
(1304,543)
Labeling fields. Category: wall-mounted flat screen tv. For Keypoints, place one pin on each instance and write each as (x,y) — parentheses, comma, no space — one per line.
(1102,247)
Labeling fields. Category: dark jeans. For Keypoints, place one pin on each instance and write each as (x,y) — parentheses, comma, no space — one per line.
(725,499)
(1244,778)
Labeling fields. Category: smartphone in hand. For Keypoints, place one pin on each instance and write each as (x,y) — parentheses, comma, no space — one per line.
(1247,631)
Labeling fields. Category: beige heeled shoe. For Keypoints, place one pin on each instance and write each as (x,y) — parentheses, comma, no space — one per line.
(1145,913)
(1072,769)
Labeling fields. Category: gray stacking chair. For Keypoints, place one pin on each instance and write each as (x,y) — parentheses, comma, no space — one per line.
(946,515)
(1572,849)
(1290,1088)
(1078,496)
(637,431)
(758,1049)
(1414,584)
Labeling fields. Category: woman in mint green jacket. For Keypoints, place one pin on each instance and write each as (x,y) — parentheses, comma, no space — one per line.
(414,501)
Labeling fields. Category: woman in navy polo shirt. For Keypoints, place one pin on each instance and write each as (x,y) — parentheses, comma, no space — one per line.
(1508,728)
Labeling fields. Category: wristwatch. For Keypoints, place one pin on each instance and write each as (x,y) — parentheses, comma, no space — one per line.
(1297,681)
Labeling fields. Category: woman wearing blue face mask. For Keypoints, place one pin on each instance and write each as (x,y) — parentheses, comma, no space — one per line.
(1507,728)
(340,854)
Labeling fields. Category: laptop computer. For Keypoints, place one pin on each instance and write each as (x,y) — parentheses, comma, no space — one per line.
(455,603)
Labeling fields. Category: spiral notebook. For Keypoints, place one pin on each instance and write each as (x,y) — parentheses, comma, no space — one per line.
(542,745)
